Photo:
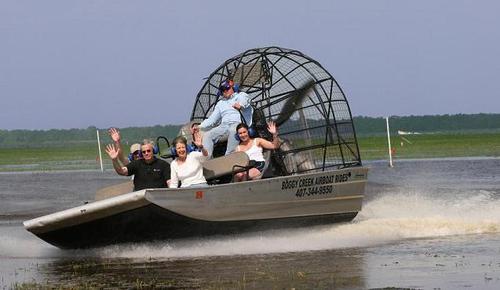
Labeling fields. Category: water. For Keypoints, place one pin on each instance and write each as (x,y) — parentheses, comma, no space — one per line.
(424,224)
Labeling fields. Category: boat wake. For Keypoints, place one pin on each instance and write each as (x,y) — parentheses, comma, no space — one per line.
(386,219)
(417,215)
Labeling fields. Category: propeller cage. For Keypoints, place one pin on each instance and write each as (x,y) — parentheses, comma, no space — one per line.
(317,131)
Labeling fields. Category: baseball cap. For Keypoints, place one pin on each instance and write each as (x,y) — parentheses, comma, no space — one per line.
(135,147)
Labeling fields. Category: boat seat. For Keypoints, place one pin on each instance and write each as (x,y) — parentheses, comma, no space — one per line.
(267,158)
(221,166)
(115,190)
(251,164)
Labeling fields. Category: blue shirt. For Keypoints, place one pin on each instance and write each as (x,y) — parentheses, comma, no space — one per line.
(225,112)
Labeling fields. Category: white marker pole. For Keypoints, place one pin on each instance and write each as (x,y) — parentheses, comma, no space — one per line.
(99,150)
(389,141)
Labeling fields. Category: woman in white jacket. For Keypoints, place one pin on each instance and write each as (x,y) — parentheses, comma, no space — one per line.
(187,167)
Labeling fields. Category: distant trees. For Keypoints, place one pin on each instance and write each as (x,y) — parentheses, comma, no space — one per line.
(63,137)
(426,124)
(364,126)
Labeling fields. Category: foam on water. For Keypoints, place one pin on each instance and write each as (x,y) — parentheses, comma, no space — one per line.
(18,243)
(386,219)
(417,215)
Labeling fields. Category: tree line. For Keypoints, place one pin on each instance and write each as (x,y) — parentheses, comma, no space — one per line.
(75,137)
(459,123)
(364,126)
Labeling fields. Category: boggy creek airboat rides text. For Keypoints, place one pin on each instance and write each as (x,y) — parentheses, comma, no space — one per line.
(315,177)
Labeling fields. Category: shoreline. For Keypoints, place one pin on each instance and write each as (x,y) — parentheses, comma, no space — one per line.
(4,171)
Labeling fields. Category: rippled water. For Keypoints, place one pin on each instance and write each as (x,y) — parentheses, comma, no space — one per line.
(424,224)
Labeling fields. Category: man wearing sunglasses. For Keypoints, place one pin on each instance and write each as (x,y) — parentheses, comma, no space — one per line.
(149,172)
(227,112)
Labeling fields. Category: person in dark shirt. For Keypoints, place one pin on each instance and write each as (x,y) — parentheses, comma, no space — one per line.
(149,172)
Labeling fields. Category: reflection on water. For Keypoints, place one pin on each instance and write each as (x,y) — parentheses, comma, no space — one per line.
(306,270)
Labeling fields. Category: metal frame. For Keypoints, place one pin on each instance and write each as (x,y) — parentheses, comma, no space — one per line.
(320,131)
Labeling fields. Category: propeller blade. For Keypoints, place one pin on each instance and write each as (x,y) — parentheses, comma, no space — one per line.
(293,102)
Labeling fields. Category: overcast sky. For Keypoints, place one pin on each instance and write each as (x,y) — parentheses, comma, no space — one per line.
(74,64)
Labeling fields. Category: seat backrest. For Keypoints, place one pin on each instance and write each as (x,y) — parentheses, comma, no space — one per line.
(267,158)
(114,190)
(221,166)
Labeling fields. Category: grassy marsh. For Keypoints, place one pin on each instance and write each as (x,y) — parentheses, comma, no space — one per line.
(86,156)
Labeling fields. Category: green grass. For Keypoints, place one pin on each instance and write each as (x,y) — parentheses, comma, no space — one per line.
(85,155)
(82,156)
(432,146)
(28,155)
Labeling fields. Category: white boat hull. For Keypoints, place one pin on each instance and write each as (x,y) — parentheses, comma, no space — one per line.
(144,215)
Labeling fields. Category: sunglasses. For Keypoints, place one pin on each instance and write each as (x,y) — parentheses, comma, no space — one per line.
(146,151)
(224,88)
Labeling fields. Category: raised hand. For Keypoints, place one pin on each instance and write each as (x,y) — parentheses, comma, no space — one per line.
(115,134)
(271,127)
(195,128)
(197,139)
(112,151)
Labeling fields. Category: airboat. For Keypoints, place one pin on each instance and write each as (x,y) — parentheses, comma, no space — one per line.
(315,177)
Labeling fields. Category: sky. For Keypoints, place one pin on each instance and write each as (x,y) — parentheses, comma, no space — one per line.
(74,64)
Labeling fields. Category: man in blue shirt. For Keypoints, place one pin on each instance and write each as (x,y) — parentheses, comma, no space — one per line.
(227,111)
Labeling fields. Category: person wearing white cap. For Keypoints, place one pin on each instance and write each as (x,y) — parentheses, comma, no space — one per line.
(135,149)
(135,152)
